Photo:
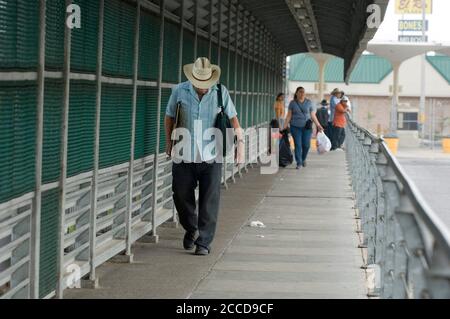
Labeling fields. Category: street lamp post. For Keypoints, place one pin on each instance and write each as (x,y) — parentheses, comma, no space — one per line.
(423,75)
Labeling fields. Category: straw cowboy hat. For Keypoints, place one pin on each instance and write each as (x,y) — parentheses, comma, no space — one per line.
(335,91)
(202,74)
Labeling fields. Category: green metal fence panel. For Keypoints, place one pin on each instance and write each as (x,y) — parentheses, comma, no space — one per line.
(53,96)
(245,112)
(115,125)
(80,152)
(146,107)
(164,101)
(171,52)
(48,242)
(188,49)
(237,103)
(214,53)
(247,78)
(232,82)
(54,34)
(19,20)
(224,67)
(258,86)
(239,75)
(252,77)
(250,110)
(17,139)
(149,46)
(202,47)
(118,46)
(85,39)
(255,109)
(242,108)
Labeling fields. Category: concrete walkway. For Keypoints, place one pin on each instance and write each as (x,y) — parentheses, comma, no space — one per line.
(307,250)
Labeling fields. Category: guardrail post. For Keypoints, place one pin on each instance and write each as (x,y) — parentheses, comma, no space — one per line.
(369,200)
(394,266)
(438,274)
(415,247)
(379,242)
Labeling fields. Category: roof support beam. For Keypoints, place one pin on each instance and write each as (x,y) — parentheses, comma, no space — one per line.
(304,16)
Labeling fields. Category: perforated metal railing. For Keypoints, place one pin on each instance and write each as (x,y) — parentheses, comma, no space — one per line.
(67,127)
(408,247)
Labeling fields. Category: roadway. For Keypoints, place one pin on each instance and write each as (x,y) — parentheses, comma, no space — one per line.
(430,171)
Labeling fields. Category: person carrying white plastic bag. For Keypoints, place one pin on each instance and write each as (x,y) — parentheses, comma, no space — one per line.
(323,143)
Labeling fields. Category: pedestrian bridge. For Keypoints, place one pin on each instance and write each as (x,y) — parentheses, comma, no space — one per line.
(308,248)
(85,188)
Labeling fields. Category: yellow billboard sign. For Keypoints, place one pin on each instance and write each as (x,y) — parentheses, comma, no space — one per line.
(413,6)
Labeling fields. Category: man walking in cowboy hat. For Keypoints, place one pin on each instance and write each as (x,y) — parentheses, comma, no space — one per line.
(199,106)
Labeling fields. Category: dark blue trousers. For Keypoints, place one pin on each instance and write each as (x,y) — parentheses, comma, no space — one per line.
(186,177)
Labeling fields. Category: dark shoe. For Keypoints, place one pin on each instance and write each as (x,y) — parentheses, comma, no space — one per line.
(304,164)
(201,251)
(188,241)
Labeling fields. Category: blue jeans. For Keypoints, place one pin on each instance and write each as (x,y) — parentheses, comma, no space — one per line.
(281,122)
(302,141)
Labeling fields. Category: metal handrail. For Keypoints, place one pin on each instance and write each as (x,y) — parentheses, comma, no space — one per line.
(426,212)
(397,216)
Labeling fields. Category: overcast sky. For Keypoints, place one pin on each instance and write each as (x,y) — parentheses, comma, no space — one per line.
(439,23)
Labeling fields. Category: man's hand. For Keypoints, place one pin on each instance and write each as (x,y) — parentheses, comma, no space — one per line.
(239,157)
(169,149)
(320,128)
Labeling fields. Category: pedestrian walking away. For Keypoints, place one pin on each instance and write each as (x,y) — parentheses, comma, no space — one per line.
(197,101)
(300,117)
(323,117)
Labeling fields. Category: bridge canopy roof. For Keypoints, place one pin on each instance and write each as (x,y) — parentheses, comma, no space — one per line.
(337,28)
(334,27)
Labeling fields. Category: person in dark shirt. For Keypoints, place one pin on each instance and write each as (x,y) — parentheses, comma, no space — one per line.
(323,117)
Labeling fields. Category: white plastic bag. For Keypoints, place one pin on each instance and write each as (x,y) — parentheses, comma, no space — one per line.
(257,224)
(323,143)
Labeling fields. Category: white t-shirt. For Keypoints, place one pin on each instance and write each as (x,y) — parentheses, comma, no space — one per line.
(349,104)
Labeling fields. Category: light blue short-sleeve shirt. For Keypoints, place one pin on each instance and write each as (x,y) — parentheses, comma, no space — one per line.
(333,102)
(195,112)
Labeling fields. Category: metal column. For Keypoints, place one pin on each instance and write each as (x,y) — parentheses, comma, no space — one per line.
(133,132)
(236,56)
(219,34)
(233,170)
(94,187)
(180,73)
(154,236)
(63,149)
(211,8)
(36,220)
(195,28)
(180,57)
